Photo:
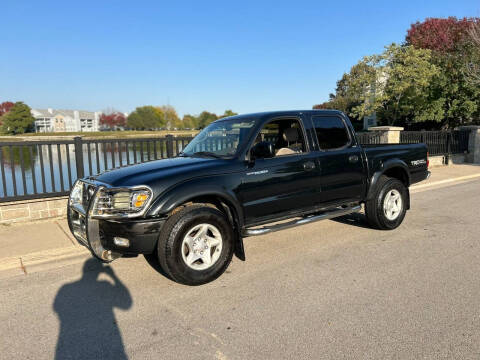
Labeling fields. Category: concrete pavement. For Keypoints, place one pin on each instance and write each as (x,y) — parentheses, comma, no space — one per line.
(40,245)
(328,290)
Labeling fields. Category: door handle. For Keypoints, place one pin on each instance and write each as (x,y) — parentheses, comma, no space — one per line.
(309,165)
(353,158)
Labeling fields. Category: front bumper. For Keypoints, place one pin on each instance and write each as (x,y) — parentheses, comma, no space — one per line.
(98,234)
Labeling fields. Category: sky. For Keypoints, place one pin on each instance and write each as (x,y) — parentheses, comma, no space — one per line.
(247,56)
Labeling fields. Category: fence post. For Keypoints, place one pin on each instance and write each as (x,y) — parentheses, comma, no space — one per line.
(473,155)
(169,146)
(391,134)
(449,147)
(77,141)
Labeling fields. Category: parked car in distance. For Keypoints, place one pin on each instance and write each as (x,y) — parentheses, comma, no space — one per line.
(242,176)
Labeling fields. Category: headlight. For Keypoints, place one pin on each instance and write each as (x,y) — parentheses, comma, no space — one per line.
(121,202)
(76,194)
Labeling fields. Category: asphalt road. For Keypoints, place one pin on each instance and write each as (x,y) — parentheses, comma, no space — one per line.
(329,290)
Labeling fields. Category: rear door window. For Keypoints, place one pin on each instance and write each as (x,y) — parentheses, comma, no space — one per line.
(331,132)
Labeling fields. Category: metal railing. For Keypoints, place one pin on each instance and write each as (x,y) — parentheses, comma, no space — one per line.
(438,142)
(40,169)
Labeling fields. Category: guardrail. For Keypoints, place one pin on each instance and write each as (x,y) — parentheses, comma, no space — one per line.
(40,169)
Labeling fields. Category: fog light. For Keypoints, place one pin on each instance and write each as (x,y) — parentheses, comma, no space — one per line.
(119,241)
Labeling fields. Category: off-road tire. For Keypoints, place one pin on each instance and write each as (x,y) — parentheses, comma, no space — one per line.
(374,208)
(170,243)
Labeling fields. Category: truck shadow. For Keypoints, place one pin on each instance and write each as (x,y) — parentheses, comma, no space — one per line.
(354,219)
(88,328)
(152,260)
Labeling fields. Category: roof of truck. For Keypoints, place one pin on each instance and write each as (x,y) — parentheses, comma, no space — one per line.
(280,113)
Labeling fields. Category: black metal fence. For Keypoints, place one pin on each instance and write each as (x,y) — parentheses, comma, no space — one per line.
(438,142)
(37,169)
(40,169)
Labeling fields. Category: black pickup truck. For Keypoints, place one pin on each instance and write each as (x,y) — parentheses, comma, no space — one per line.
(242,176)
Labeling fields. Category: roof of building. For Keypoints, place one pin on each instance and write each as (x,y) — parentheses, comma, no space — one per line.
(41,113)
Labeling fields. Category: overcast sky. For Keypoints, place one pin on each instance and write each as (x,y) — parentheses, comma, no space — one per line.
(246,56)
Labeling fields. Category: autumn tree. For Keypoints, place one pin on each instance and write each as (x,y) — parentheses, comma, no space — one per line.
(438,34)
(5,107)
(456,54)
(18,120)
(113,120)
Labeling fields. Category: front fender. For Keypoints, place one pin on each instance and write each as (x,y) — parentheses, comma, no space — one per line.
(186,191)
(202,187)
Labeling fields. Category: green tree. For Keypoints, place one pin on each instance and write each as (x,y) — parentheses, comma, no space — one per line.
(170,116)
(146,118)
(228,113)
(456,53)
(189,122)
(205,118)
(18,120)
(395,84)
(409,79)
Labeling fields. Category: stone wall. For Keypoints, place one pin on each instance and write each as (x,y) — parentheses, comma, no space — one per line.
(27,210)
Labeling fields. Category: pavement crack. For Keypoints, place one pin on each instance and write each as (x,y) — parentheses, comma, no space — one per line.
(24,269)
(66,234)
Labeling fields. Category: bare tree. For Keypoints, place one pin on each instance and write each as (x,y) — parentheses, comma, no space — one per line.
(474,64)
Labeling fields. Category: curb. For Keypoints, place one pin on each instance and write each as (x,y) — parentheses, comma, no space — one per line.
(446,181)
(42,260)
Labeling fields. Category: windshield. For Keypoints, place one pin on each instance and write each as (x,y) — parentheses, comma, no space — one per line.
(220,139)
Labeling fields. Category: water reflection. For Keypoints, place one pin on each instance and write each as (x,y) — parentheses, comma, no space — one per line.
(51,168)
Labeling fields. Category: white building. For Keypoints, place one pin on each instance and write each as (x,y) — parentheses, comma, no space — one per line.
(52,120)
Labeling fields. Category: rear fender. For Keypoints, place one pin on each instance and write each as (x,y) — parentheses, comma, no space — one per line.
(383,168)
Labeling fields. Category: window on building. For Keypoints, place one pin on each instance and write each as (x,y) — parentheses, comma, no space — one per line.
(331,132)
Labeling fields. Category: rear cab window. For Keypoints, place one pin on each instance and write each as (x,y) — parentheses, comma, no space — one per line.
(332,133)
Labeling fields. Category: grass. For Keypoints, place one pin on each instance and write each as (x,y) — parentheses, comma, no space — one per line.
(105,134)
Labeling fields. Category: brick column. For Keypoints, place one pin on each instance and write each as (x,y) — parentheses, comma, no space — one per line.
(473,155)
(391,134)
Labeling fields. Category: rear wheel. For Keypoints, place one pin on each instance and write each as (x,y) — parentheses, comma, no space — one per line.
(386,210)
(195,245)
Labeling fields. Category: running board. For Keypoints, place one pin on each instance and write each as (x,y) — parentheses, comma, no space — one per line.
(308,219)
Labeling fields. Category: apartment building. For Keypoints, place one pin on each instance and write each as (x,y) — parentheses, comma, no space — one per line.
(56,120)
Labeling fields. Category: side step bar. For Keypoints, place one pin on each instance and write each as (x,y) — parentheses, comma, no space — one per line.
(308,219)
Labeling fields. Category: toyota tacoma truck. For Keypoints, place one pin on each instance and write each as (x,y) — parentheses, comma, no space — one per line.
(242,176)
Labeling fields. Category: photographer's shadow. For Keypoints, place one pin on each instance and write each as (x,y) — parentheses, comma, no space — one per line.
(88,328)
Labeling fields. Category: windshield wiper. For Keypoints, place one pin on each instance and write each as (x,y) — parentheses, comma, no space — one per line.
(207,153)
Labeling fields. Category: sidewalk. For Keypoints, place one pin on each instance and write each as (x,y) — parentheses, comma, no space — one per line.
(35,246)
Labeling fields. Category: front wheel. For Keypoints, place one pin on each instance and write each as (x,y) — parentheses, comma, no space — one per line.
(387,209)
(195,245)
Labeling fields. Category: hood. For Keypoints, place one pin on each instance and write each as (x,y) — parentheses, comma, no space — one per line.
(154,172)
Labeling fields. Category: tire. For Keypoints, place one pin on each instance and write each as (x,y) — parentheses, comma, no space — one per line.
(382,213)
(183,234)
